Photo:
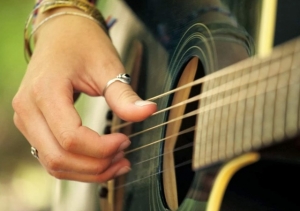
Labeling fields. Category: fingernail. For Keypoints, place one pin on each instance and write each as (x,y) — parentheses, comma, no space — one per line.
(124,145)
(122,171)
(143,103)
(118,157)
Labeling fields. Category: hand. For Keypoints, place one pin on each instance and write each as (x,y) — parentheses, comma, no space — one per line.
(72,54)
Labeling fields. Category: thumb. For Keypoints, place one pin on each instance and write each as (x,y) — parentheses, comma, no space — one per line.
(126,104)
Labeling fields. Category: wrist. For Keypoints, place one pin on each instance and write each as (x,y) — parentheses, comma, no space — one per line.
(47,11)
(43,16)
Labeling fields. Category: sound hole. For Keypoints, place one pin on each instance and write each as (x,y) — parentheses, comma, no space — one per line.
(178,174)
(184,174)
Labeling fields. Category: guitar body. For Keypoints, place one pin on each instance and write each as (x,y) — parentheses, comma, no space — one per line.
(211,160)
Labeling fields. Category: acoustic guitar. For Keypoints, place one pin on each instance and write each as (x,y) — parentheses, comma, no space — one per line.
(225,137)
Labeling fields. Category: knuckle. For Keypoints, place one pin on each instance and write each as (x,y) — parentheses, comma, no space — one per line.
(68,140)
(53,163)
(18,104)
(100,169)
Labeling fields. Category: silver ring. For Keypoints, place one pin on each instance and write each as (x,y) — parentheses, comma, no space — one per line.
(124,78)
(34,152)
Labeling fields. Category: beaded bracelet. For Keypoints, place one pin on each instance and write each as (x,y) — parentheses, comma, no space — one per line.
(43,6)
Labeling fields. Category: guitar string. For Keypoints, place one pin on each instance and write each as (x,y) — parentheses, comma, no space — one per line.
(166,153)
(177,149)
(193,128)
(165,169)
(182,133)
(226,87)
(207,93)
(207,108)
(166,138)
(185,163)
(154,174)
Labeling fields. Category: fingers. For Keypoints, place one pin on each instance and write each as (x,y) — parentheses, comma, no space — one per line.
(76,161)
(110,173)
(65,165)
(56,105)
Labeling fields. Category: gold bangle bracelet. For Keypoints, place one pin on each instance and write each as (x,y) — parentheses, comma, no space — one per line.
(80,4)
(60,14)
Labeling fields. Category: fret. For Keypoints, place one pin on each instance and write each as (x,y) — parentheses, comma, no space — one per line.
(251,108)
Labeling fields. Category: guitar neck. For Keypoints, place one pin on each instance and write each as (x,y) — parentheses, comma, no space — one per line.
(249,106)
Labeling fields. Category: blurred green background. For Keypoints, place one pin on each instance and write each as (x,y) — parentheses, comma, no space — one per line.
(23,184)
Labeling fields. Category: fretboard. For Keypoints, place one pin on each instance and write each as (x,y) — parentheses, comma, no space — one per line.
(249,106)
